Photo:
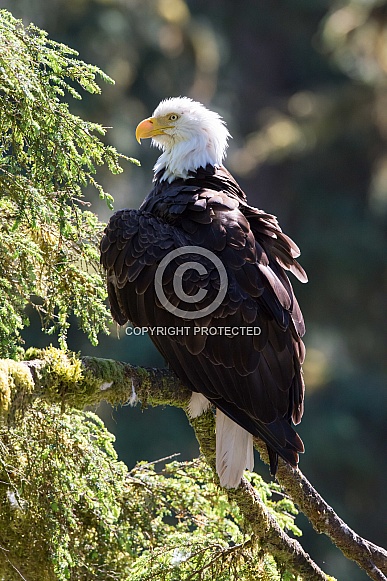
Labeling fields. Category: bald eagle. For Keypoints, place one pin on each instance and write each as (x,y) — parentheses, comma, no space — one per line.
(207,273)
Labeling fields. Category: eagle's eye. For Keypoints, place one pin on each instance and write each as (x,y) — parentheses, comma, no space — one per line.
(173,117)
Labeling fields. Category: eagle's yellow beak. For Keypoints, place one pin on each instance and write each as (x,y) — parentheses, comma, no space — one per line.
(150,127)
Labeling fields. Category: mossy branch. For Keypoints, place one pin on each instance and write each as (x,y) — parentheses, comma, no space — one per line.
(56,377)
(266,531)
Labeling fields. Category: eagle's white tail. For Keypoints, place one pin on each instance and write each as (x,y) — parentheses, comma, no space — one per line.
(234,451)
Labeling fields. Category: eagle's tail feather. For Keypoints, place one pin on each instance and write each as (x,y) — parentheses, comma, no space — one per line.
(234,451)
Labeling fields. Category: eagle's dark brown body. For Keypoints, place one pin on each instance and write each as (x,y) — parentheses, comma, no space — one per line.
(255,379)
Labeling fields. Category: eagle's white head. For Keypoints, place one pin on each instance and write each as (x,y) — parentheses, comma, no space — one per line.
(189,135)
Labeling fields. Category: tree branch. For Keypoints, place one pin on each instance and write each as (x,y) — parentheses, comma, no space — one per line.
(267,533)
(370,557)
(57,377)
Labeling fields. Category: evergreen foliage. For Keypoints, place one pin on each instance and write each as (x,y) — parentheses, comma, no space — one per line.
(70,510)
(48,243)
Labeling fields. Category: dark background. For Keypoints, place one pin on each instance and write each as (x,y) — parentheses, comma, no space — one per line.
(302,86)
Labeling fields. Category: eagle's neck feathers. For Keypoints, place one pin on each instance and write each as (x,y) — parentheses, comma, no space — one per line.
(181,158)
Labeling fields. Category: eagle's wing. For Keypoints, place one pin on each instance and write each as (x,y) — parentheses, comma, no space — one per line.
(254,377)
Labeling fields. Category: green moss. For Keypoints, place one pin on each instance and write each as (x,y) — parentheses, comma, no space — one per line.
(16,387)
(5,390)
(204,427)
(108,372)
(63,377)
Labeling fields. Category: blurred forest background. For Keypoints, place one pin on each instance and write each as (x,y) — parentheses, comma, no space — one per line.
(302,86)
